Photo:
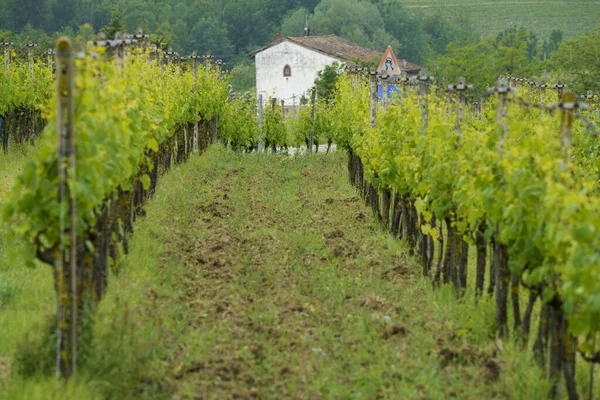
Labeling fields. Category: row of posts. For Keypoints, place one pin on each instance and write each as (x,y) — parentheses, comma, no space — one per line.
(505,85)
(29,46)
(543,86)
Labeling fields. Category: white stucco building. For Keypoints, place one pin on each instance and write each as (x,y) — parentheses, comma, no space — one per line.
(286,68)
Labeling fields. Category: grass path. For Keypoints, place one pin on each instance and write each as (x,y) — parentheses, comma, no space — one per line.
(277,283)
(26,294)
(262,276)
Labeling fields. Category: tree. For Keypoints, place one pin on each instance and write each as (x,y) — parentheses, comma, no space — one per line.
(247,26)
(115,25)
(25,12)
(441,32)
(163,36)
(209,35)
(357,20)
(482,63)
(552,42)
(243,78)
(293,23)
(576,62)
(406,28)
(181,37)
(327,80)
(532,45)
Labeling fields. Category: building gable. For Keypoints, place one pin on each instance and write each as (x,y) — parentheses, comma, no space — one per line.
(288,70)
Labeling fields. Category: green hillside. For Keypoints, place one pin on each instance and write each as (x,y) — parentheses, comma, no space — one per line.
(491,17)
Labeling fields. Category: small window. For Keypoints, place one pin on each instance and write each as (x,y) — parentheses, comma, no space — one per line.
(287,71)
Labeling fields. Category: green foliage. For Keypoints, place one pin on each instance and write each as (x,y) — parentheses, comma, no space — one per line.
(274,129)
(115,25)
(119,121)
(238,125)
(326,81)
(357,20)
(231,29)
(481,63)
(243,78)
(576,62)
(488,18)
(19,91)
(545,212)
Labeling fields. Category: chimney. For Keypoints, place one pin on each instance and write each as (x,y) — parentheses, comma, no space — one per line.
(278,37)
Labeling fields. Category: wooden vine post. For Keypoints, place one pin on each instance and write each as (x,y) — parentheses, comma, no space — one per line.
(384,192)
(589,99)
(177,59)
(50,54)
(353,75)
(66,265)
(216,121)
(560,88)
(260,122)
(384,89)
(426,248)
(140,37)
(532,86)
(7,46)
(424,99)
(567,106)
(563,344)
(5,128)
(195,59)
(313,98)
(404,83)
(500,263)
(373,98)
(543,86)
(30,46)
(208,63)
(460,88)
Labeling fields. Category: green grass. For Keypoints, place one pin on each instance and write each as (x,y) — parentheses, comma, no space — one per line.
(26,294)
(490,17)
(266,276)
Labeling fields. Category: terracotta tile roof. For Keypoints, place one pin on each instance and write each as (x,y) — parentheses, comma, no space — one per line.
(336,47)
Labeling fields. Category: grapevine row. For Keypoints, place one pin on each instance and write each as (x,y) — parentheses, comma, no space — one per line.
(25,90)
(517,182)
(132,119)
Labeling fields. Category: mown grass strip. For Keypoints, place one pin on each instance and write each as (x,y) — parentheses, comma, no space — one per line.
(265,276)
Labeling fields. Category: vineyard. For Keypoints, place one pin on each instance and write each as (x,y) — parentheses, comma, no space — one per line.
(573,17)
(160,243)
